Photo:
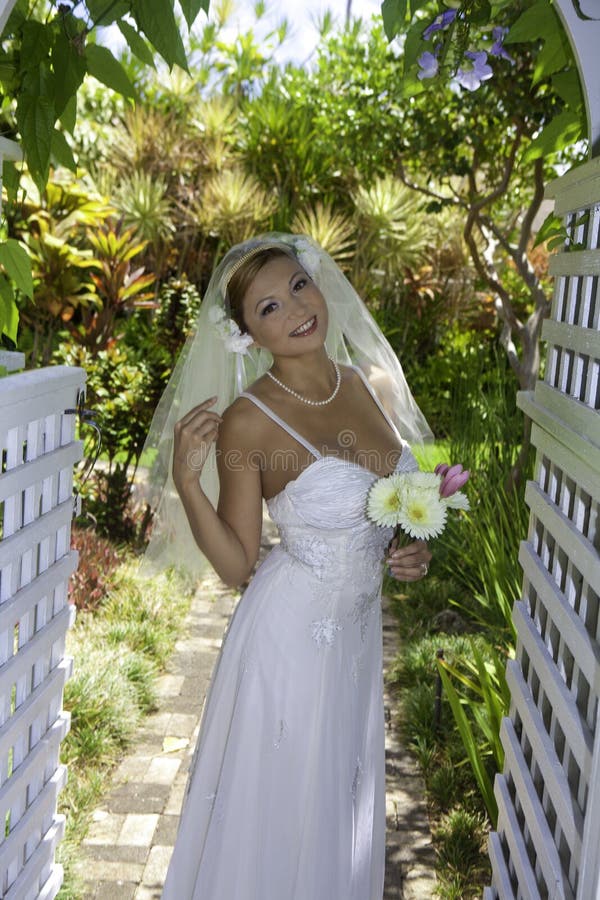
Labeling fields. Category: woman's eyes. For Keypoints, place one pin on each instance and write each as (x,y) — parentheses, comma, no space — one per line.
(297,286)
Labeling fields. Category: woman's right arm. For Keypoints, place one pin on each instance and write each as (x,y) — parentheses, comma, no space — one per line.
(229,536)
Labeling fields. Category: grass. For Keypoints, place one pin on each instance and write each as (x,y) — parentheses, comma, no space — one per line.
(118,651)
(457,814)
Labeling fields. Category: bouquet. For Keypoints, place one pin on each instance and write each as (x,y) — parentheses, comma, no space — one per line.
(418,502)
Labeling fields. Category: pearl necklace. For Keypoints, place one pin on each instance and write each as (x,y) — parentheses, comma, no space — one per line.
(338,380)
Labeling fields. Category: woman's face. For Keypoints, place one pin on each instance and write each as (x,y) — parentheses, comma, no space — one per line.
(284,310)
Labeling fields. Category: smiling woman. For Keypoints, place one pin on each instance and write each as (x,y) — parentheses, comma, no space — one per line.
(292,727)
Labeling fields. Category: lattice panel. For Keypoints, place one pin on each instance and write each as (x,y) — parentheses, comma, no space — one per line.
(548,795)
(38,451)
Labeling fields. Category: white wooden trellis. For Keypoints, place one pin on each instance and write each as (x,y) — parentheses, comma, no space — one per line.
(547,843)
(38,451)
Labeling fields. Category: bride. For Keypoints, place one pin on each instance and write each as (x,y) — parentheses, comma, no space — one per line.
(287,393)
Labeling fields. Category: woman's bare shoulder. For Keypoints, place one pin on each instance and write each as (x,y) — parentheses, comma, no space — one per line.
(242,423)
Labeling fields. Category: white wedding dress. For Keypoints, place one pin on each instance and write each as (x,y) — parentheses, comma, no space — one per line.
(286,794)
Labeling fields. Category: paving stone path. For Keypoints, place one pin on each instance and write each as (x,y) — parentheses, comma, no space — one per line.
(127,849)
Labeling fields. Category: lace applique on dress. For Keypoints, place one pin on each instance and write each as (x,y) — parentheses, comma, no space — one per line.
(363,607)
(312,551)
(324,630)
(356,779)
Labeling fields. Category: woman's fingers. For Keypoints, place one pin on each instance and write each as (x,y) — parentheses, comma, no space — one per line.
(193,413)
(408,563)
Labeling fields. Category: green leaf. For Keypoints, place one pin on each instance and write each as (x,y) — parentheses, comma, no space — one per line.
(471,748)
(9,313)
(103,12)
(394,16)
(8,71)
(17,264)
(103,66)
(481,14)
(160,27)
(555,242)
(568,87)
(136,44)
(552,57)
(35,45)
(11,177)
(68,118)
(551,226)
(191,8)
(35,118)
(538,21)
(414,45)
(69,67)
(562,131)
(61,151)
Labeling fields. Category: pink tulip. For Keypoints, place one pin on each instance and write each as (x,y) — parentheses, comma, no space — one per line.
(441,469)
(453,482)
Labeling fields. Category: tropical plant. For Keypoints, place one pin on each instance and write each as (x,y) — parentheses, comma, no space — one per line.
(53,230)
(492,149)
(394,234)
(119,286)
(45,55)
(123,388)
(214,121)
(142,200)
(478,708)
(333,230)
(233,206)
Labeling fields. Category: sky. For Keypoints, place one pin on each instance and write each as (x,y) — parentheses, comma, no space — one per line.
(301,16)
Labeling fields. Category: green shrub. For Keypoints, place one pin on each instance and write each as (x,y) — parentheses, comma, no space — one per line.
(118,650)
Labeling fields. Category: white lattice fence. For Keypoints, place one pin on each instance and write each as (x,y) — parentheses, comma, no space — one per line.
(38,452)
(547,843)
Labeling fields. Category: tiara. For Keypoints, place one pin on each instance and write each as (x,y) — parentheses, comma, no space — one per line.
(266,245)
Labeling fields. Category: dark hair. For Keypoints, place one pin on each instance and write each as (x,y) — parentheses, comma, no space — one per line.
(243,277)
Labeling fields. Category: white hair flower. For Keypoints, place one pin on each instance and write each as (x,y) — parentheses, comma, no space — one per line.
(216,314)
(229,331)
(308,257)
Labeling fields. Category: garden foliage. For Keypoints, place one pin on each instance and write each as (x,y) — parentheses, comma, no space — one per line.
(426,192)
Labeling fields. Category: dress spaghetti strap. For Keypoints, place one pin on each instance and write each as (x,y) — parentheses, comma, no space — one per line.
(279,421)
(378,402)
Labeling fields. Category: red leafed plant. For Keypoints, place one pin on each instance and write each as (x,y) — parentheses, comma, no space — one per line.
(98,561)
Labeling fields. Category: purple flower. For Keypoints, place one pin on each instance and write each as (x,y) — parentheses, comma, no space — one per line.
(439,23)
(429,65)
(497,48)
(471,78)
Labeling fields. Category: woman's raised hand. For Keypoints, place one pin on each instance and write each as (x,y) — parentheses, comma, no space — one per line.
(193,436)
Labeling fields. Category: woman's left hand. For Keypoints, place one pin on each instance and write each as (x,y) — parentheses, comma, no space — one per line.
(409,563)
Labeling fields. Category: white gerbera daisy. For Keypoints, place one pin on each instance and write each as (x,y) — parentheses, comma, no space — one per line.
(422,514)
(383,501)
(458,500)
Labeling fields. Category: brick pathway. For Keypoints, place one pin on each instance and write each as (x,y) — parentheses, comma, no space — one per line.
(126,852)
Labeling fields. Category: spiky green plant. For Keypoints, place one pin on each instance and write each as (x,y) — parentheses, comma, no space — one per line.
(395,232)
(333,230)
(233,206)
(141,198)
(215,123)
